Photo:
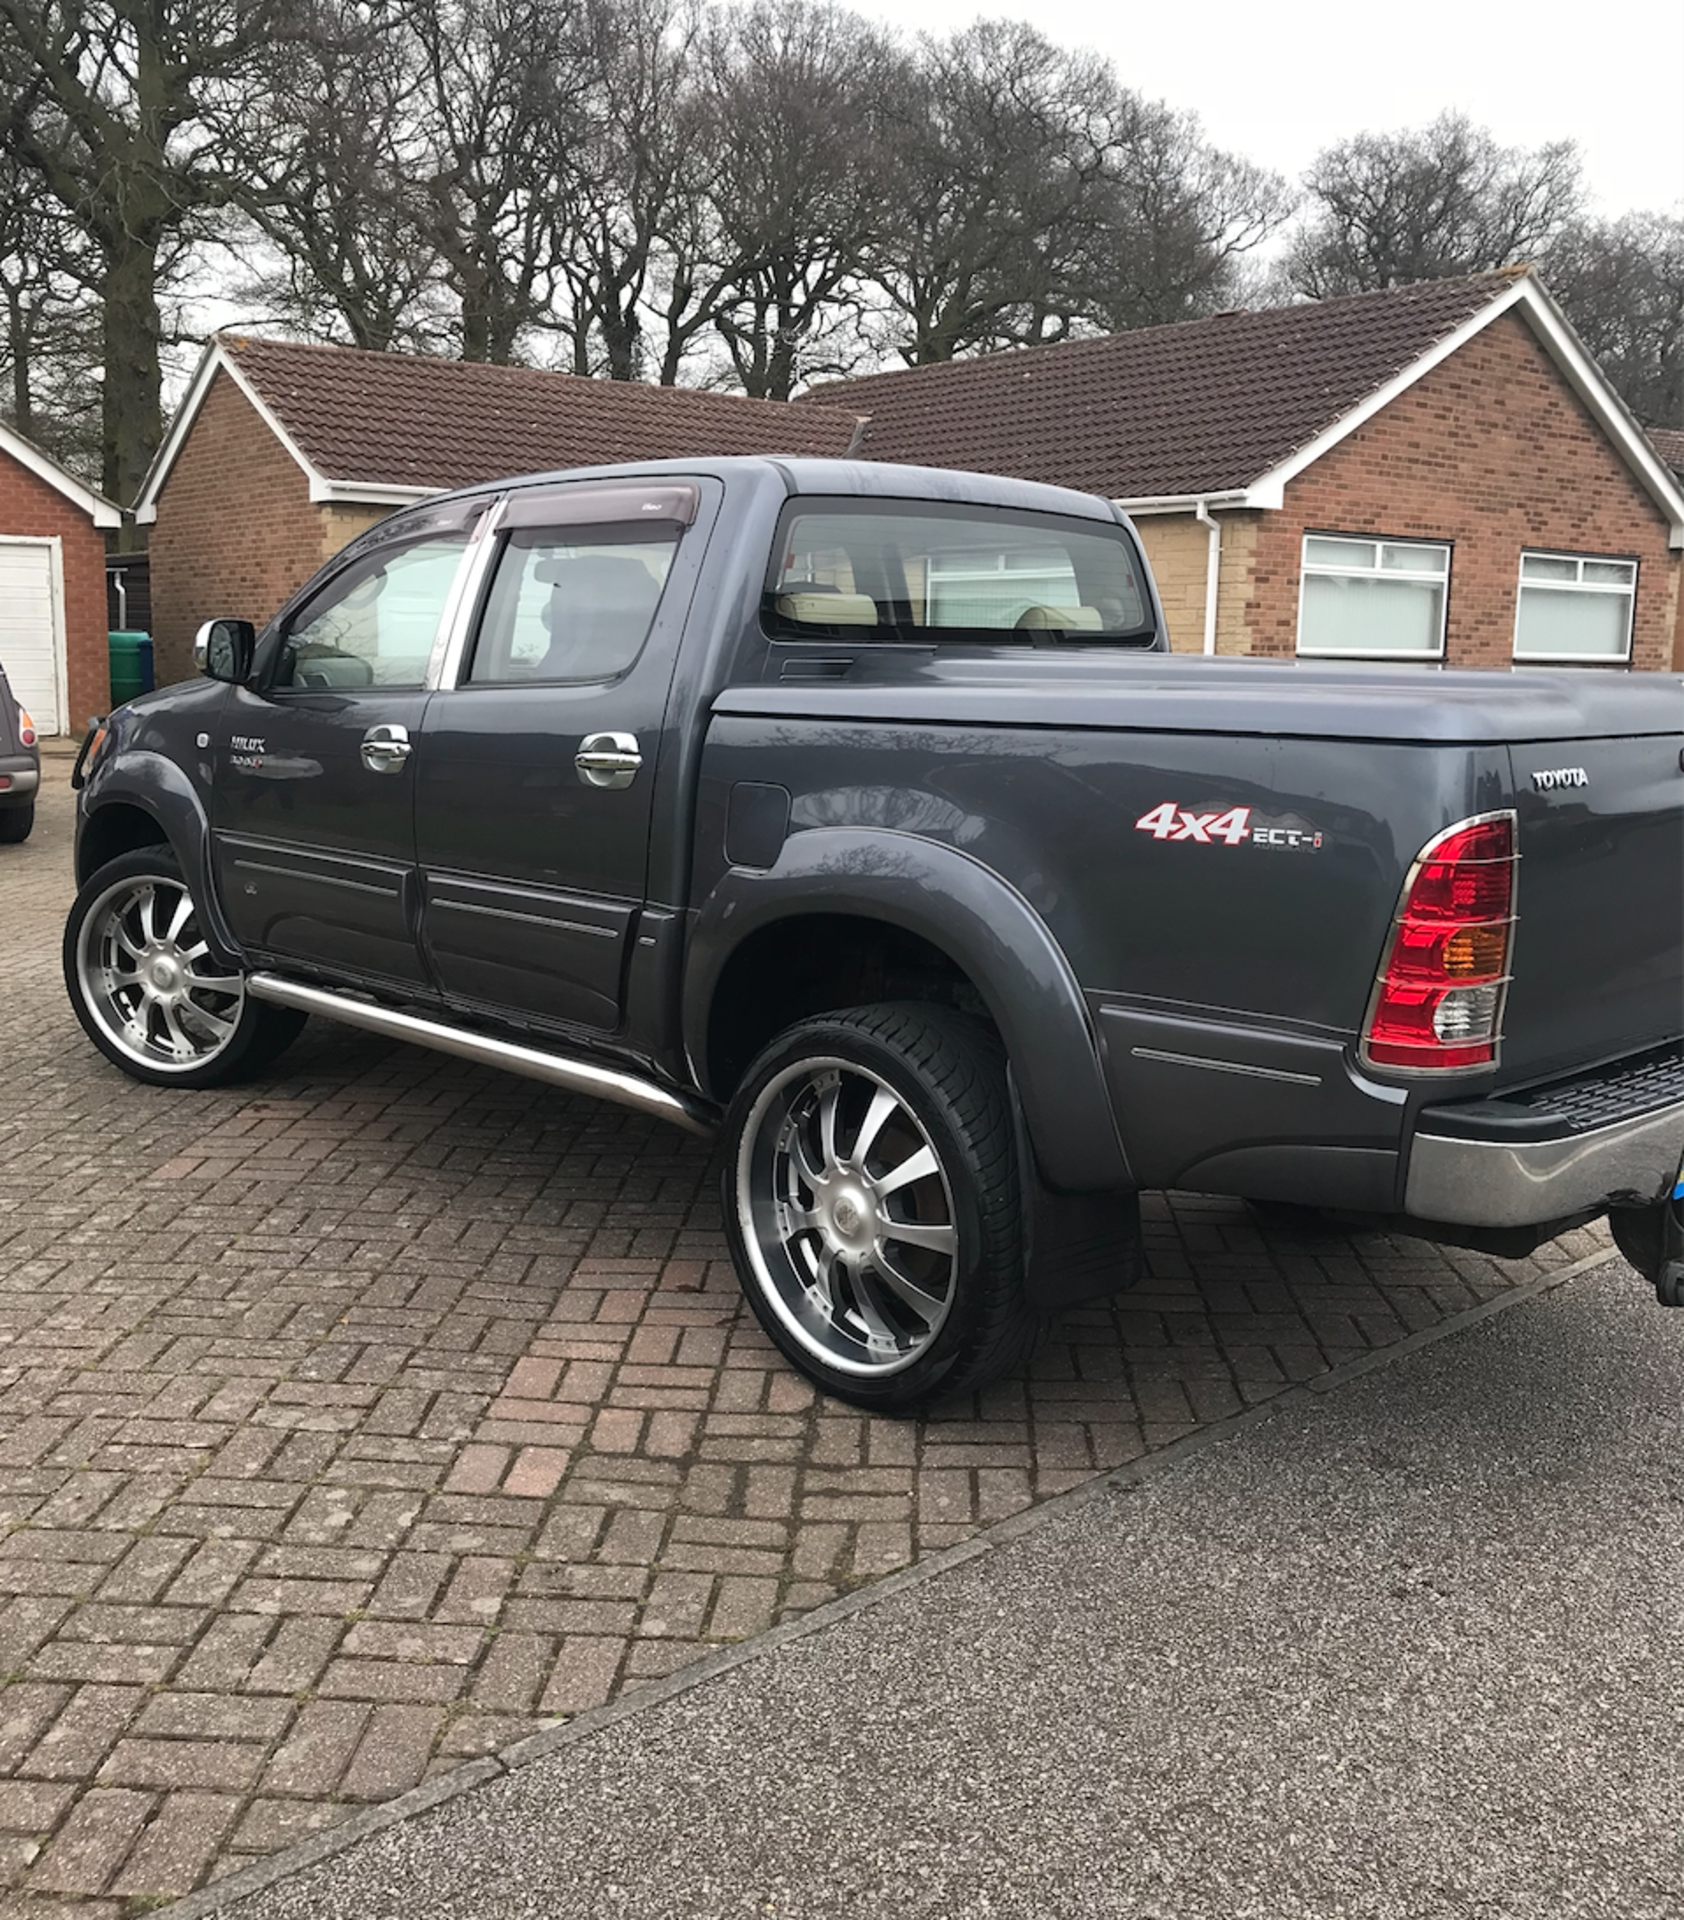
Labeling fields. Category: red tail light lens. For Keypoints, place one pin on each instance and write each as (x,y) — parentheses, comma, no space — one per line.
(1439,996)
(26,727)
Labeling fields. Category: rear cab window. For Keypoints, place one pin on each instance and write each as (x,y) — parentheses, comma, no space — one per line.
(929,575)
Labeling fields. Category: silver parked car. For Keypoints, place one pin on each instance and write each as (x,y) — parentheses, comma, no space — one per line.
(20,767)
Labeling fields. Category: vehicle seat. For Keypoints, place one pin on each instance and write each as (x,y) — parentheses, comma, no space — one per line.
(600,610)
(329,670)
(816,605)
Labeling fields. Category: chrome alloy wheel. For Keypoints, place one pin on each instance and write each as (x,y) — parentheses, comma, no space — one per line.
(148,977)
(847,1217)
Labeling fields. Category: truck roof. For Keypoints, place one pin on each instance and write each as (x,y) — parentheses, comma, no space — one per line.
(864,478)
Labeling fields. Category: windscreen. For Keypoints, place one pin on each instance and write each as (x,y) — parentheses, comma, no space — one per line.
(931,575)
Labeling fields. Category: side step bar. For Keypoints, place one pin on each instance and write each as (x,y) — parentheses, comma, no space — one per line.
(577,1076)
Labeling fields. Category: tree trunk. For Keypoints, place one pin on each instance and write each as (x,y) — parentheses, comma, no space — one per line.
(132,338)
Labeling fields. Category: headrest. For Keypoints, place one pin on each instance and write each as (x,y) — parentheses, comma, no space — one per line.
(600,576)
(824,607)
(1053,619)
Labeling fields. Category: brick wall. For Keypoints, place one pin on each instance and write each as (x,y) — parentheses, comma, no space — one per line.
(341,523)
(236,532)
(1493,452)
(29,506)
(1176,545)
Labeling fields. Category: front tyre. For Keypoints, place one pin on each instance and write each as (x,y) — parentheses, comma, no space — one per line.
(873,1208)
(147,988)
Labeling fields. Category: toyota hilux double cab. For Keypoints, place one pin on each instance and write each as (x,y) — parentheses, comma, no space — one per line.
(859,816)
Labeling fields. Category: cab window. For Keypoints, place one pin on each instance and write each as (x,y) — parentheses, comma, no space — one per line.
(936,575)
(569,605)
(374,624)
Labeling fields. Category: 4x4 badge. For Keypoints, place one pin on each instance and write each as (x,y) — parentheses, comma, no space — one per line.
(1230,825)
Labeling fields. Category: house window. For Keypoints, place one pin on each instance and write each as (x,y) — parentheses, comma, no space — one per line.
(1574,610)
(1373,598)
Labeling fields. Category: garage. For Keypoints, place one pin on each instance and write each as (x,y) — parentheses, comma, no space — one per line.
(52,587)
(31,631)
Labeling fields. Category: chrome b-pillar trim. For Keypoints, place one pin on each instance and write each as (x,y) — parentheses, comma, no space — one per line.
(577,1076)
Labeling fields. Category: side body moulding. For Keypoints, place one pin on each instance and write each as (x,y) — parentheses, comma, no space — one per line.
(983,925)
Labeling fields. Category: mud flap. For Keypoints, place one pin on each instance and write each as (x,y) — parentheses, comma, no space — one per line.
(1078,1246)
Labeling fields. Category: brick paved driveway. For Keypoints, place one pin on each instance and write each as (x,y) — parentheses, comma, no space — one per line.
(366,1420)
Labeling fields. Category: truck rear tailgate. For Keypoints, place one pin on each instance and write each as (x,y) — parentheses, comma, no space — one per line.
(1598,956)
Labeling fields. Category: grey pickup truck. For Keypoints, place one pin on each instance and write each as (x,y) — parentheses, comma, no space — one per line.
(859,816)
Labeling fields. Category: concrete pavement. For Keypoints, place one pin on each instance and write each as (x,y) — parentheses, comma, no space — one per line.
(1405,1650)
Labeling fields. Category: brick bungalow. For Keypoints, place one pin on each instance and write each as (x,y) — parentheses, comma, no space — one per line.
(281,453)
(1438,473)
(52,587)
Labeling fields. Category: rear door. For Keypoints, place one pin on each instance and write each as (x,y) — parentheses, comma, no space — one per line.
(314,829)
(537,769)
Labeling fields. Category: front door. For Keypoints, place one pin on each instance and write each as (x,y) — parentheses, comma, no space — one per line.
(536,771)
(314,840)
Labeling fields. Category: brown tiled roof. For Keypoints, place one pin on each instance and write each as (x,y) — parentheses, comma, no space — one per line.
(1669,444)
(398,419)
(1207,406)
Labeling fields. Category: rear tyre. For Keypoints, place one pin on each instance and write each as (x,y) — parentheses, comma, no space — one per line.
(16,824)
(147,988)
(873,1206)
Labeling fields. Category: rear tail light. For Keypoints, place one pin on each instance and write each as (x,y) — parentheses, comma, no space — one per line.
(1438,1000)
(26,727)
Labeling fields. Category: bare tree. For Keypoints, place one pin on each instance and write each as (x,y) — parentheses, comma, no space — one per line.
(111,106)
(500,78)
(630,191)
(1390,208)
(793,127)
(49,335)
(1182,216)
(1622,285)
(325,168)
(995,155)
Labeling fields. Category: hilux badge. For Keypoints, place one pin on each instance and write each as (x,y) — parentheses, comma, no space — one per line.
(1547,781)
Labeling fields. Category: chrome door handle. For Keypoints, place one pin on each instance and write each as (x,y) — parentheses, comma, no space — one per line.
(385,749)
(608,759)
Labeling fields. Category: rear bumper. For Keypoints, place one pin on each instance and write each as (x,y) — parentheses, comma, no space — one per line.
(1614,1138)
(19,778)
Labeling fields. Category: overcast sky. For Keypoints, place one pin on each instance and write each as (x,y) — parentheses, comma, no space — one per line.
(1276,80)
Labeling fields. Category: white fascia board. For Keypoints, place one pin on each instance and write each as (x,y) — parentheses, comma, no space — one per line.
(1575,364)
(146,501)
(1187,502)
(102,512)
(215,359)
(1589,382)
(359,493)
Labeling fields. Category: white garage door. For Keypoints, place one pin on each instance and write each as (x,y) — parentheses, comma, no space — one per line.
(30,647)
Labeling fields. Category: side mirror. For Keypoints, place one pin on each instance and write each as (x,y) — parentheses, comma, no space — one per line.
(222,649)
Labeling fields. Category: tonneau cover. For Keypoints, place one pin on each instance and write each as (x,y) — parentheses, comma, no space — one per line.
(1155,692)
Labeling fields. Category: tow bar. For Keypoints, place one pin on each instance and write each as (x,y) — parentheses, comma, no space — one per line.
(1652,1239)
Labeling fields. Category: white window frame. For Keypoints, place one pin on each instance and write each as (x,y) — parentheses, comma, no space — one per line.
(1578,584)
(1441,580)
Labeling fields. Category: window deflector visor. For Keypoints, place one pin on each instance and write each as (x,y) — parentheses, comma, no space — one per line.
(604,503)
